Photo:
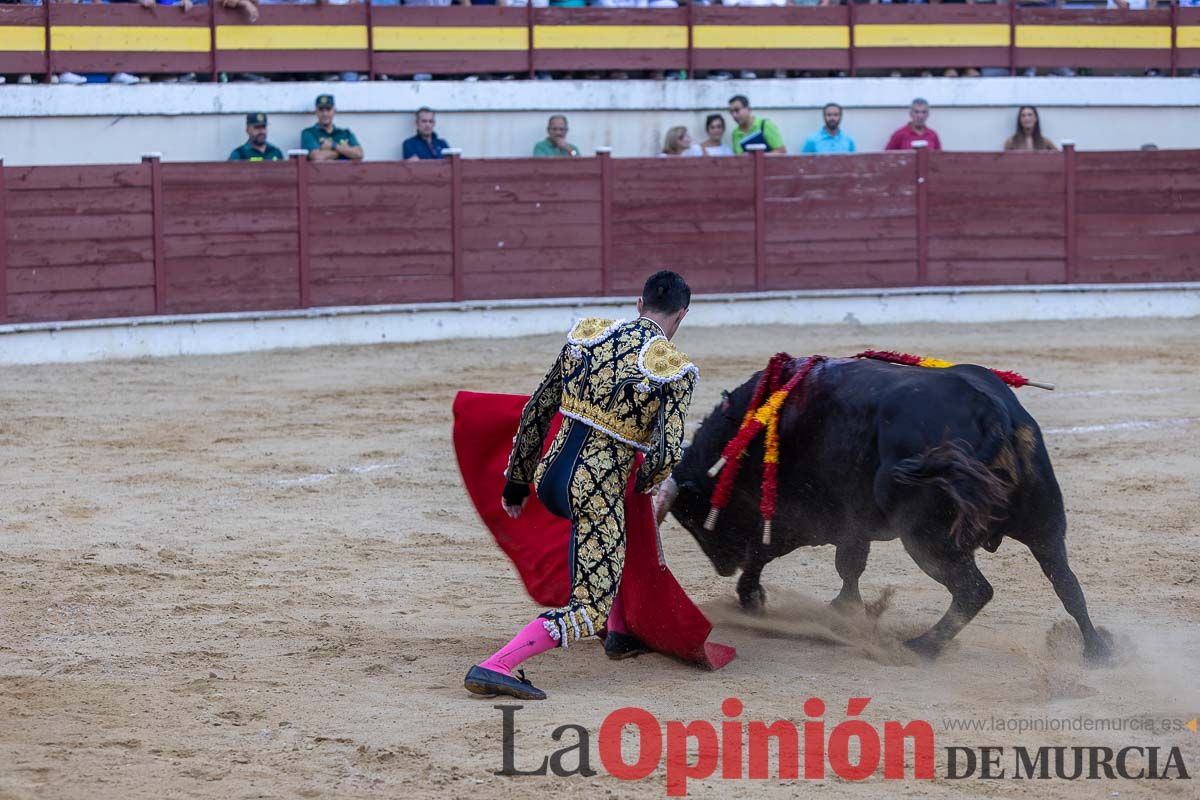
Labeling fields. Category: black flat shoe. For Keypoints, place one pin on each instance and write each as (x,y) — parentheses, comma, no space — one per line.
(491,683)
(621,645)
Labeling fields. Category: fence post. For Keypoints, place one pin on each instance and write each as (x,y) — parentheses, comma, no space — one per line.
(529,35)
(46,36)
(370,42)
(850,20)
(154,162)
(758,152)
(1012,37)
(691,57)
(1069,190)
(304,265)
(454,154)
(3,247)
(212,39)
(1174,38)
(922,149)
(606,195)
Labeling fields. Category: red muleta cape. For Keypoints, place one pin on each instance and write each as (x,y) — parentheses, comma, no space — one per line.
(657,609)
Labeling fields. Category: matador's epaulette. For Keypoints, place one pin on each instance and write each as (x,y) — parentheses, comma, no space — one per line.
(662,362)
(593,330)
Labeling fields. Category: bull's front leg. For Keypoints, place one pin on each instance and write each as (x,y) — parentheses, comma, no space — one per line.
(751,594)
(851,562)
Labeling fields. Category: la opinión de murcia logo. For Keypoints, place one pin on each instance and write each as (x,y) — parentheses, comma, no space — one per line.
(633,744)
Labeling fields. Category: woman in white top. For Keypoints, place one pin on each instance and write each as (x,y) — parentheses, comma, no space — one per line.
(714,126)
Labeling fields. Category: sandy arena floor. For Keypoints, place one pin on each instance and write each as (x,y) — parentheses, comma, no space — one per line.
(258,576)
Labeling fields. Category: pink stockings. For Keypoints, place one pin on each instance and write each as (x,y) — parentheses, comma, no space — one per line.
(532,640)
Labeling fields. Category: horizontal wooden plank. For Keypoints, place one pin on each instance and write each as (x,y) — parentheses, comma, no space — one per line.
(95,304)
(450,62)
(784,227)
(783,254)
(501,217)
(827,191)
(222,273)
(383,289)
(1136,246)
(374,244)
(572,235)
(752,59)
(1155,180)
(80,202)
(68,253)
(279,176)
(547,262)
(56,229)
(267,220)
(837,275)
(1137,161)
(74,278)
(960,222)
(397,198)
(157,63)
(327,270)
(408,175)
(1138,269)
(1137,225)
(1016,247)
(863,166)
(334,221)
(996,271)
(493,286)
(229,245)
(1172,202)
(201,199)
(859,207)
(40,179)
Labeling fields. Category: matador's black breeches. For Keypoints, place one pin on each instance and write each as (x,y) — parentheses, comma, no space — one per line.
(583,479)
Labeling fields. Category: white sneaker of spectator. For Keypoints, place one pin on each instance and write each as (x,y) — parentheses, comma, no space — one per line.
(125,79)
(26,78)
(71,78)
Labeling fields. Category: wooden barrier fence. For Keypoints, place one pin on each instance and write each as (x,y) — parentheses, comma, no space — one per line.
(153,238)
(457,40)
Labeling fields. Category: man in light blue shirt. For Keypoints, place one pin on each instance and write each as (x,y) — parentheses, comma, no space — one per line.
(830,139)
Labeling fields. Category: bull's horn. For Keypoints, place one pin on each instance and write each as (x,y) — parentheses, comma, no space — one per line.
(666,498)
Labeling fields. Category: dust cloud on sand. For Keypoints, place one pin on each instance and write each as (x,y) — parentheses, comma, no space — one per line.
(258,575)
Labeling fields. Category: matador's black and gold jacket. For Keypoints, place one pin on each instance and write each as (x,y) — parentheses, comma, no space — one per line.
(623,379)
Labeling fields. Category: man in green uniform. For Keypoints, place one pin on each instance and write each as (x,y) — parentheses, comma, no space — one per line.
(752,130)
(256,147)
(326,142)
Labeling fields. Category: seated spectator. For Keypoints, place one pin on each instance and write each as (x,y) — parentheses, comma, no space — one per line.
(678,142)
(327,142)
(915,130)
(425,145)
(256,146)
(714,126)
(1133,5)
(831,138)
(1029,132)
(555,145)
(751,130)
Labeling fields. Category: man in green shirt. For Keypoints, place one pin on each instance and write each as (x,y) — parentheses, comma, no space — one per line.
(752,131)
(324,141)
(555,145)
(256,147)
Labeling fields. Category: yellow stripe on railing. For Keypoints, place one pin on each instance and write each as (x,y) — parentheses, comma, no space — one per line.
(610,37)
(451,38)
(104,39)
(22,39)
(770,37)
(1187,36)
(291,37)
(1116,37)
(933,35)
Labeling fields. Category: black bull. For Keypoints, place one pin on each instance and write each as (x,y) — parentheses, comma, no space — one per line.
(945,459)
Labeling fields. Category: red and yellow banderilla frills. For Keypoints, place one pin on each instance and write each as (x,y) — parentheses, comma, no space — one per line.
(763,413)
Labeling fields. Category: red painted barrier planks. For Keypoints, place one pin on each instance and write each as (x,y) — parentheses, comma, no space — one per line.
(293,38)
(454,40)
(610,39)
(129,38)
(1139,216)
(841,222)
(79,242)
(534,224)
(379,232)
(1187,38)
(729,38)
(229,237)
(1067,37)
(996,218)
(925,36)
(693,215)
(22,39)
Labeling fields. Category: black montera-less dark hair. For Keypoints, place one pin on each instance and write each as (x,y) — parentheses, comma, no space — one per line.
(666,292)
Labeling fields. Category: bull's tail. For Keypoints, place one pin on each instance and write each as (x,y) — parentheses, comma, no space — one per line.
(975,490)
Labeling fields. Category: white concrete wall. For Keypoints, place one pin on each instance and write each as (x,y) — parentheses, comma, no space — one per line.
(211,334)
(201,122)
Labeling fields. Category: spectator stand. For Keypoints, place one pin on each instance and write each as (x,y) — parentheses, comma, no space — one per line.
(363,38)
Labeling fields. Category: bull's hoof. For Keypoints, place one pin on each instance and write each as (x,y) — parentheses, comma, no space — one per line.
(754,601)
(924,647)
(1098,651)
(846,605)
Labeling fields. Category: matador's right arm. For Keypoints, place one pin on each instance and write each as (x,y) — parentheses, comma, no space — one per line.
(535,423)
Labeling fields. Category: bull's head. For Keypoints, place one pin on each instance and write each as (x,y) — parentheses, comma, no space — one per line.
(687,494)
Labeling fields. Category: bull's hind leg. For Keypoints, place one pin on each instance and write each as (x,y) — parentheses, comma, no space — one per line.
(851,561)
(1052,558)
(969,590)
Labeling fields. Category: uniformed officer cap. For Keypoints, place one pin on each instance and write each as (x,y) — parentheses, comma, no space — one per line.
(324,101)
(257,118)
